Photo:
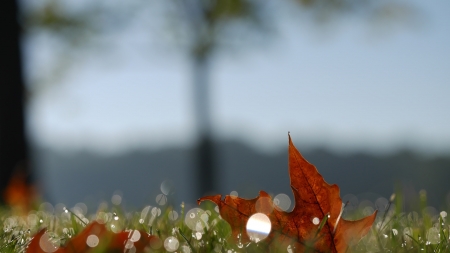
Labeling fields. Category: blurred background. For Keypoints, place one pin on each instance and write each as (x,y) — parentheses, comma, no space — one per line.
(186,98)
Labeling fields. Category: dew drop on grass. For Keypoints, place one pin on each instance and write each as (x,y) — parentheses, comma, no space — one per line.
(198,236)
(258,227)
(171,244)
(443,214)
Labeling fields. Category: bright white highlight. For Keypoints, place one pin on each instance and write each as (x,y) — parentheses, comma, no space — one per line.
(258,227)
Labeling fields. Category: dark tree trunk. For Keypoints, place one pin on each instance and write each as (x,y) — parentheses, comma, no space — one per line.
(204,153)
(13,144)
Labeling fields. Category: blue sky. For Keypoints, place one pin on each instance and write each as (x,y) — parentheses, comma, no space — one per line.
(353,86)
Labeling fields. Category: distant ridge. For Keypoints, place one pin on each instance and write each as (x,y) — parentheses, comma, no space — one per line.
(88,177)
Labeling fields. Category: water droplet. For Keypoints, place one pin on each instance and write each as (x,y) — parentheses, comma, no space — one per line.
(141,221)
(171,244)
(282,201)
(258,227)
(167,187)
(198,235)
(443,214)
(161,199)
(92,241)
(316,221)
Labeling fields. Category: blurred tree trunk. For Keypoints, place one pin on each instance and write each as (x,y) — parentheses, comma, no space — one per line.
(206,171)
(13,143)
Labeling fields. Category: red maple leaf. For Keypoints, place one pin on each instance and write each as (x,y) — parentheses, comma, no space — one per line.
(314,224)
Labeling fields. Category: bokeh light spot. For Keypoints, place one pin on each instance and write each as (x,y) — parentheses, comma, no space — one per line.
(173,215)
(116,199)
(433,235)
(194,219)
(47,245)
(161,199)
(92,241)
(282,201)
(171,244)
(258,227)
(316,221)
(135,236)
(167,187)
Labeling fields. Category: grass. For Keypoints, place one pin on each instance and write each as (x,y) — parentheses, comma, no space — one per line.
(200,229)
